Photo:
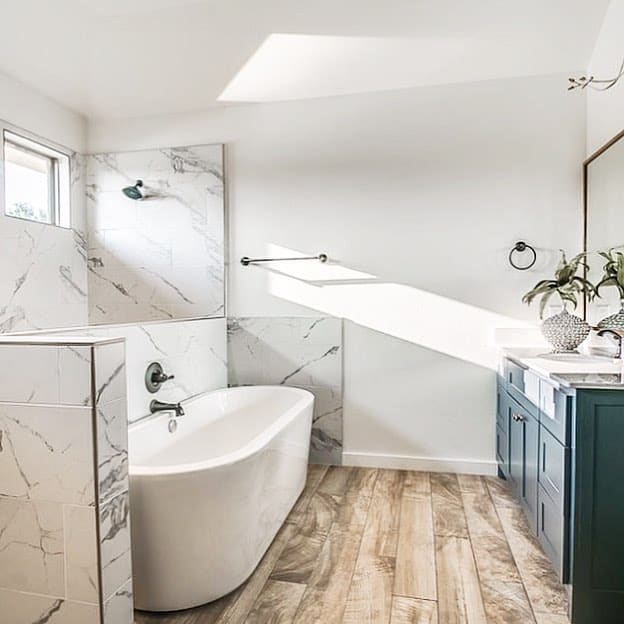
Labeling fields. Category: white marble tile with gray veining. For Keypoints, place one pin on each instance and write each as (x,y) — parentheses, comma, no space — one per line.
(46,453)
(112,448)
(162,258)
(25,608)
(56,375)
(194,351)
(30,374)
(297,351)
(81,542)
(326,442)
(31,546)
(74,366)
(119,608)
(115,552)
(110,372)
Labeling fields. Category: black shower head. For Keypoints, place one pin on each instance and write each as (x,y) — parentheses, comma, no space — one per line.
(134,192)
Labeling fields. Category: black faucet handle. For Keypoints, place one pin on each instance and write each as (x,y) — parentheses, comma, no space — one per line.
(155,377)
(161,377)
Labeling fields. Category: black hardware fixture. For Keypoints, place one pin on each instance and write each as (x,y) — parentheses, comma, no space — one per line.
(155,377)
(245,261)
(594,83)
(159,406)
(521,247)
(134,192)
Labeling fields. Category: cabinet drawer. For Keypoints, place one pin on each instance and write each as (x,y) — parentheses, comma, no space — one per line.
(555,411)
(519,381)
(514,376)
(551,532)
(532,387)
(502,449)
(553,468)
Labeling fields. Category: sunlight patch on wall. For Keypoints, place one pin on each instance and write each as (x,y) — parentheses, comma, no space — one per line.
(438,323)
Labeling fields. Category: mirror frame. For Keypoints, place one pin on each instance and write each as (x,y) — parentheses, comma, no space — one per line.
(588,161)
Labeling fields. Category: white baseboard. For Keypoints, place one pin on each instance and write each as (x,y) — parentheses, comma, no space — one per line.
(426,464)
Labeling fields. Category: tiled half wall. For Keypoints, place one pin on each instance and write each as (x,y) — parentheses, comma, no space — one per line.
(64,521)
(194,351)
(294,351)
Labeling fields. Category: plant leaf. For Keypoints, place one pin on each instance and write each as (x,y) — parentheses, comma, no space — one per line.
(544,301)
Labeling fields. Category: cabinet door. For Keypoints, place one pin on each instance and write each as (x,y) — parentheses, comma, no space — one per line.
(516,450)
(523,459)
(552,533)
(530,468)
(502,430)
(598,575)
(554,469)
(502,411)
(502,451)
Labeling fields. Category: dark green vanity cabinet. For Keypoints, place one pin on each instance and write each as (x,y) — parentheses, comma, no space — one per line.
(598,540)
(517,433)
(562,451)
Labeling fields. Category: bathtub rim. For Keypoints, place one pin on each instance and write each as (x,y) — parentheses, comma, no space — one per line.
(246,451)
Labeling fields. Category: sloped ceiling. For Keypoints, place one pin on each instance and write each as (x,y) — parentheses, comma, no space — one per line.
(125,58)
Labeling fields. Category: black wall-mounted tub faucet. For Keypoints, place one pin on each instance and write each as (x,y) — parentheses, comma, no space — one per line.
(159,406)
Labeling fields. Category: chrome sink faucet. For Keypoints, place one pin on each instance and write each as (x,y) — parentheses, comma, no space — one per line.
(617,337)
(159,406)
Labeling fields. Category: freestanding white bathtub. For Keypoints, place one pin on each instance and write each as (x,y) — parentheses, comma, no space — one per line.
(207,500)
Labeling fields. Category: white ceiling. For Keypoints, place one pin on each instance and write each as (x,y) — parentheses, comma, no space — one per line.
(125,58)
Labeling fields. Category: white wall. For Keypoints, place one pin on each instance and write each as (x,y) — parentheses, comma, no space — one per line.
(605,110)
(423,190)
(24,107)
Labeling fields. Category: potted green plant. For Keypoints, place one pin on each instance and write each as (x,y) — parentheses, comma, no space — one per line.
(612,275)
(564,331)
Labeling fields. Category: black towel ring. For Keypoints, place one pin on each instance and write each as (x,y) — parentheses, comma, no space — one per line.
(521,246)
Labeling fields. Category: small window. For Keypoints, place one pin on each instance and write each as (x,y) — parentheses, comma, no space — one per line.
(36,181)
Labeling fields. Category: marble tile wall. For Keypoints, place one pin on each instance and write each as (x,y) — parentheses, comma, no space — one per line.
(295,351)
(161,258)
(112,483)
(59,491)
(194,351)
(43,280)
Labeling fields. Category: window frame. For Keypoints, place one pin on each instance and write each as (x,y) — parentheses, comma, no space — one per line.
(52,152)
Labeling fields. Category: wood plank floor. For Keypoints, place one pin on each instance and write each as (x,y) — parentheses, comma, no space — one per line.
(366,546)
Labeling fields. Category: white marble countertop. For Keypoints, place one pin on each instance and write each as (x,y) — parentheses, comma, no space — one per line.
(586,372)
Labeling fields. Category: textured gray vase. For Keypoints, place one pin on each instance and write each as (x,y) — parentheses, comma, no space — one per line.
(565,331)
(615,321)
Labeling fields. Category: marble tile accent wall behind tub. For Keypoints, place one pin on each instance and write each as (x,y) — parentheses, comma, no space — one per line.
(64,523)
(194,351)
(294,351)
(161,258)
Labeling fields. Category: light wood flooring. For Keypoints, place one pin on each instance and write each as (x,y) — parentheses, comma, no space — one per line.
(394,547)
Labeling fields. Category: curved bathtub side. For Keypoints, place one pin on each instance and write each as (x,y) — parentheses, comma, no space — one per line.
(196,536)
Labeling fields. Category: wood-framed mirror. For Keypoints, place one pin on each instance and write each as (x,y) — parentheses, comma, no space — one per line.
(603,223)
